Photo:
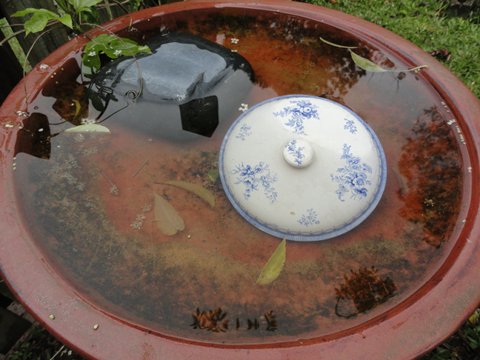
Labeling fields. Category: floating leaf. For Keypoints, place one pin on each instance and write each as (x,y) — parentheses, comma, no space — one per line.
(366,64)
(167,218)
(213,175)
(196,189)
(93,128)
(274,266)
(337,45)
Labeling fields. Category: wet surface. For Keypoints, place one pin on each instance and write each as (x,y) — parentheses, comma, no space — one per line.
(89,197)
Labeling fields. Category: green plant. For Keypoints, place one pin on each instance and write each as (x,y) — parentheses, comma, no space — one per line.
(429,24)
(78,16)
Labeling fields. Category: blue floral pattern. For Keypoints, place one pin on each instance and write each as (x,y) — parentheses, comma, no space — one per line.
(350,126)
(353,177)
(297,113)
(309,219)
(254,177)
(296,151)
(244,132)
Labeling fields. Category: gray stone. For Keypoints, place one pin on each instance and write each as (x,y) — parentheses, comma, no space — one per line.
(189,86)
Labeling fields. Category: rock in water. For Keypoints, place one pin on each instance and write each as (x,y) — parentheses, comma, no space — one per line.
(188,85)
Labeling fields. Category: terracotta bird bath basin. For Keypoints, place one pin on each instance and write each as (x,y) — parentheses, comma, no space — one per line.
(124,233)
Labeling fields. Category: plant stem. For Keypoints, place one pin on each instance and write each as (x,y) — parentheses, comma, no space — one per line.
(120,5)
(12,36)
(58,352)
(108,8)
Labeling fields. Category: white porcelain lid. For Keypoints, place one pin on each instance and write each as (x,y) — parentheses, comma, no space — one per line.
(302,168)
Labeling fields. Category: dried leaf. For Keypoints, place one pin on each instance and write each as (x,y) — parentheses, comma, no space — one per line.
(337,45)
(366,64)
(274,265)
(196,189)
(86,128)
(167,218)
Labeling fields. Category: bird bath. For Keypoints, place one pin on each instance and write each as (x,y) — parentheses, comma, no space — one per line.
(81,246)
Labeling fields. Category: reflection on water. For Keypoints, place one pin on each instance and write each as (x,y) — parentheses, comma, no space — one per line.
(91,205)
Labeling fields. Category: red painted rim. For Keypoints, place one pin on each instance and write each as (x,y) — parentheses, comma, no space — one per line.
(406,331)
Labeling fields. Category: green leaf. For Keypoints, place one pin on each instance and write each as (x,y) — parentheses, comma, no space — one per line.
(29,11)
(166,217)
(112,46)
(88,128)
(83,5)
(66,20)
(213,175)
(366,64)
(274,265)
(39,20)
(337,45)
(474,319)
(196,189)
(36,24)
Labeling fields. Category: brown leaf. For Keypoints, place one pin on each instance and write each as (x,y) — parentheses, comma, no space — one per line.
(167,218)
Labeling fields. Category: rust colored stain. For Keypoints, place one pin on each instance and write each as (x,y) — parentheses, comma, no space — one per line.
(142,286)
(430,158)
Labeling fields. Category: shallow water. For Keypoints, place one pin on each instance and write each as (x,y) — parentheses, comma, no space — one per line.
(90,197)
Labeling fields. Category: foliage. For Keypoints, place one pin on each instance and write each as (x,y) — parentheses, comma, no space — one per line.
(40,345)
(111,46)
(75,15)
(40,18)
(430,25)
(463,345)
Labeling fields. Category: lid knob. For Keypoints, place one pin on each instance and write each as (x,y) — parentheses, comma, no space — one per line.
(298,153)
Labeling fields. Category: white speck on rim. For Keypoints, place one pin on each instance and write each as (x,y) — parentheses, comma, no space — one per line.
(43,67)
(51,317)
(96,326)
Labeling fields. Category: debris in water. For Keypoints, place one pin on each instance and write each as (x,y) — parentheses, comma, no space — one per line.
(167,218)
(196,189)
(211,320)
(274,266)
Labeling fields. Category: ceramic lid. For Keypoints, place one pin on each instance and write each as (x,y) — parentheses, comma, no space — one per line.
(302,168)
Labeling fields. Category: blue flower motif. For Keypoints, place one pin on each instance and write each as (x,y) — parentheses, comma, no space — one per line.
(309,219)
(350,126)
(244,132)
(297,113)
(353,177)
(252,177)
(296,151)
